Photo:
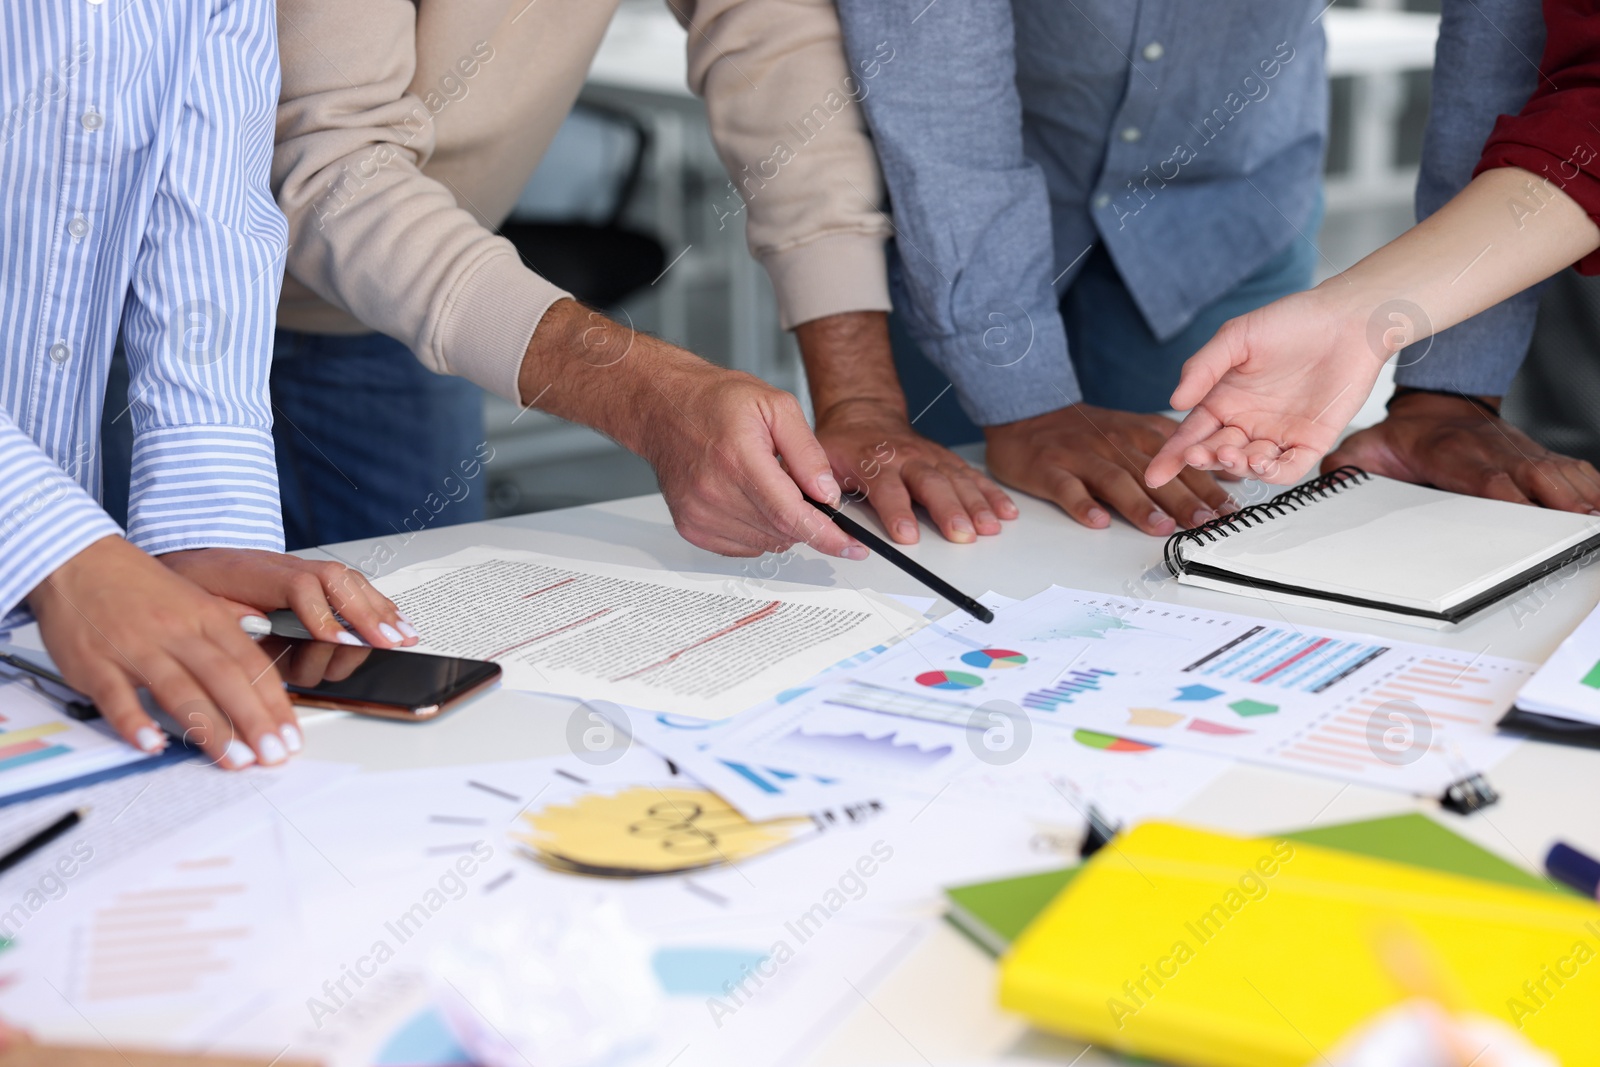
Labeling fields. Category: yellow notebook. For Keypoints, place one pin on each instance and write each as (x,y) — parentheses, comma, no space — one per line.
(1199,948)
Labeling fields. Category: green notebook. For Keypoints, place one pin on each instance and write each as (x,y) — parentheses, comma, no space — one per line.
(994,913)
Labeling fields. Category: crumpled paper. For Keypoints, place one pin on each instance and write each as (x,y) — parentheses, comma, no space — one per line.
(1420,1033)
(569,986)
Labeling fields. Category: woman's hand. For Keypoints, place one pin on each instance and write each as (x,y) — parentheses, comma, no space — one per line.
(1269,395)
(115,621)
(255,582)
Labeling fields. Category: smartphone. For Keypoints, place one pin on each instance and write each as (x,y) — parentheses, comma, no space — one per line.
(386,682)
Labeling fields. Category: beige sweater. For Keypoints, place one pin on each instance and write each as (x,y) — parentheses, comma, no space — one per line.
(407,128)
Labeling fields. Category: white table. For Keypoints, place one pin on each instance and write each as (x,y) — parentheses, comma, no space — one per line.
(938,1005)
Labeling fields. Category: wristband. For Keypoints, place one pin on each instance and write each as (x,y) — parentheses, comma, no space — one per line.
(1478,402)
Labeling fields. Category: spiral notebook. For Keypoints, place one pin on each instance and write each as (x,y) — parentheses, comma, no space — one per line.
(1367,545)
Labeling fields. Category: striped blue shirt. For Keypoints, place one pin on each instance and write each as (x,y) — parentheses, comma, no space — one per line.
(135,142)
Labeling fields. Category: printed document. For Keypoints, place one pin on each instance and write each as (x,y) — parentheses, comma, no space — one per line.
(694,645)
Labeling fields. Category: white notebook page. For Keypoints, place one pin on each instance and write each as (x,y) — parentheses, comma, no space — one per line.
(1397,543)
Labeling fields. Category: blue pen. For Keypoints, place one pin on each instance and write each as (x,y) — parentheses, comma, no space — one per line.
(1570,867)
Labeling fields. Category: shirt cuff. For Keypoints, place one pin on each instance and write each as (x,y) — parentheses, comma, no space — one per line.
(1011,370)
(487,323)
(204,487)
(47,520)
(829,276)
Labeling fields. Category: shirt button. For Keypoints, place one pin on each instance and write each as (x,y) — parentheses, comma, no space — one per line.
(78,227)
(92,120)
(1130,134)
(1103,200)
(59,352)
(1153,51)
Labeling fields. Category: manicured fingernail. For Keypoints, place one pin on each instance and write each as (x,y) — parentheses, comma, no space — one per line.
(856,552)
(407,629)
(150,739)
(1228,506)
(271,749)
(986,518)
(961,525)
(238,754)
(291,738)
(1097,516)
(1158,518)
(390,632)
(345,637)
(1201,515)
(403,616)
(255,625)
(905,530)
(830,489)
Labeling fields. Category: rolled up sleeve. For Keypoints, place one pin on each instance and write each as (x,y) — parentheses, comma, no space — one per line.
(784,105)
(369,231)
(1554,135)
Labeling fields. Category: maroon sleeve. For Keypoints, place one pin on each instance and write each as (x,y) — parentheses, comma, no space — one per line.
(1557,134)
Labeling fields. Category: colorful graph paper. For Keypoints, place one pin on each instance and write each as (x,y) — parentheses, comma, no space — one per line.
(1066,689)
(1288,659)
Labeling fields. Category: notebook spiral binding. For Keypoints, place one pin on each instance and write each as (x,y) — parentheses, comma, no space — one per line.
(1256,514)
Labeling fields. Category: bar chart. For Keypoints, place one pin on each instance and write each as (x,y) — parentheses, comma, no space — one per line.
(1071,685)
(1287,659)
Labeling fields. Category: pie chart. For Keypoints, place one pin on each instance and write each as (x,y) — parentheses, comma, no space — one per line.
(1108,743)
(993,658)
(949,680)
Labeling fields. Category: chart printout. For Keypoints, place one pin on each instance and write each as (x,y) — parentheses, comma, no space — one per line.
(1388,713)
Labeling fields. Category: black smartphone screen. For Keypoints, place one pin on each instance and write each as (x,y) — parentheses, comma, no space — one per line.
(359,675)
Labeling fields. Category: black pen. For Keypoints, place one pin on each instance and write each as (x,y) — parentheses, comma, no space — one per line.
(41,839)
(81,709)
(904,562)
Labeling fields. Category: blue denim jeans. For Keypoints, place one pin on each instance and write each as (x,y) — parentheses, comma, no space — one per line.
(370,443)
(1121,364)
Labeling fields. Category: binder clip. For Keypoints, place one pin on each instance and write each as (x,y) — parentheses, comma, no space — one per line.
(1100,832)
(1473,793)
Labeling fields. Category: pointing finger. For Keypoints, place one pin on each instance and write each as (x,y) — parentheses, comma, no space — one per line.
(1195,428)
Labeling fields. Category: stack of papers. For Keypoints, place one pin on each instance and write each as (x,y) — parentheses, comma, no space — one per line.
(791,780)
(40,747)
(1396,715)
(1568,685)
(1082,698)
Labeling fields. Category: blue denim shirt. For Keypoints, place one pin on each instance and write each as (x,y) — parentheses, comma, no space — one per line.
(1015,135)
(1486,65)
